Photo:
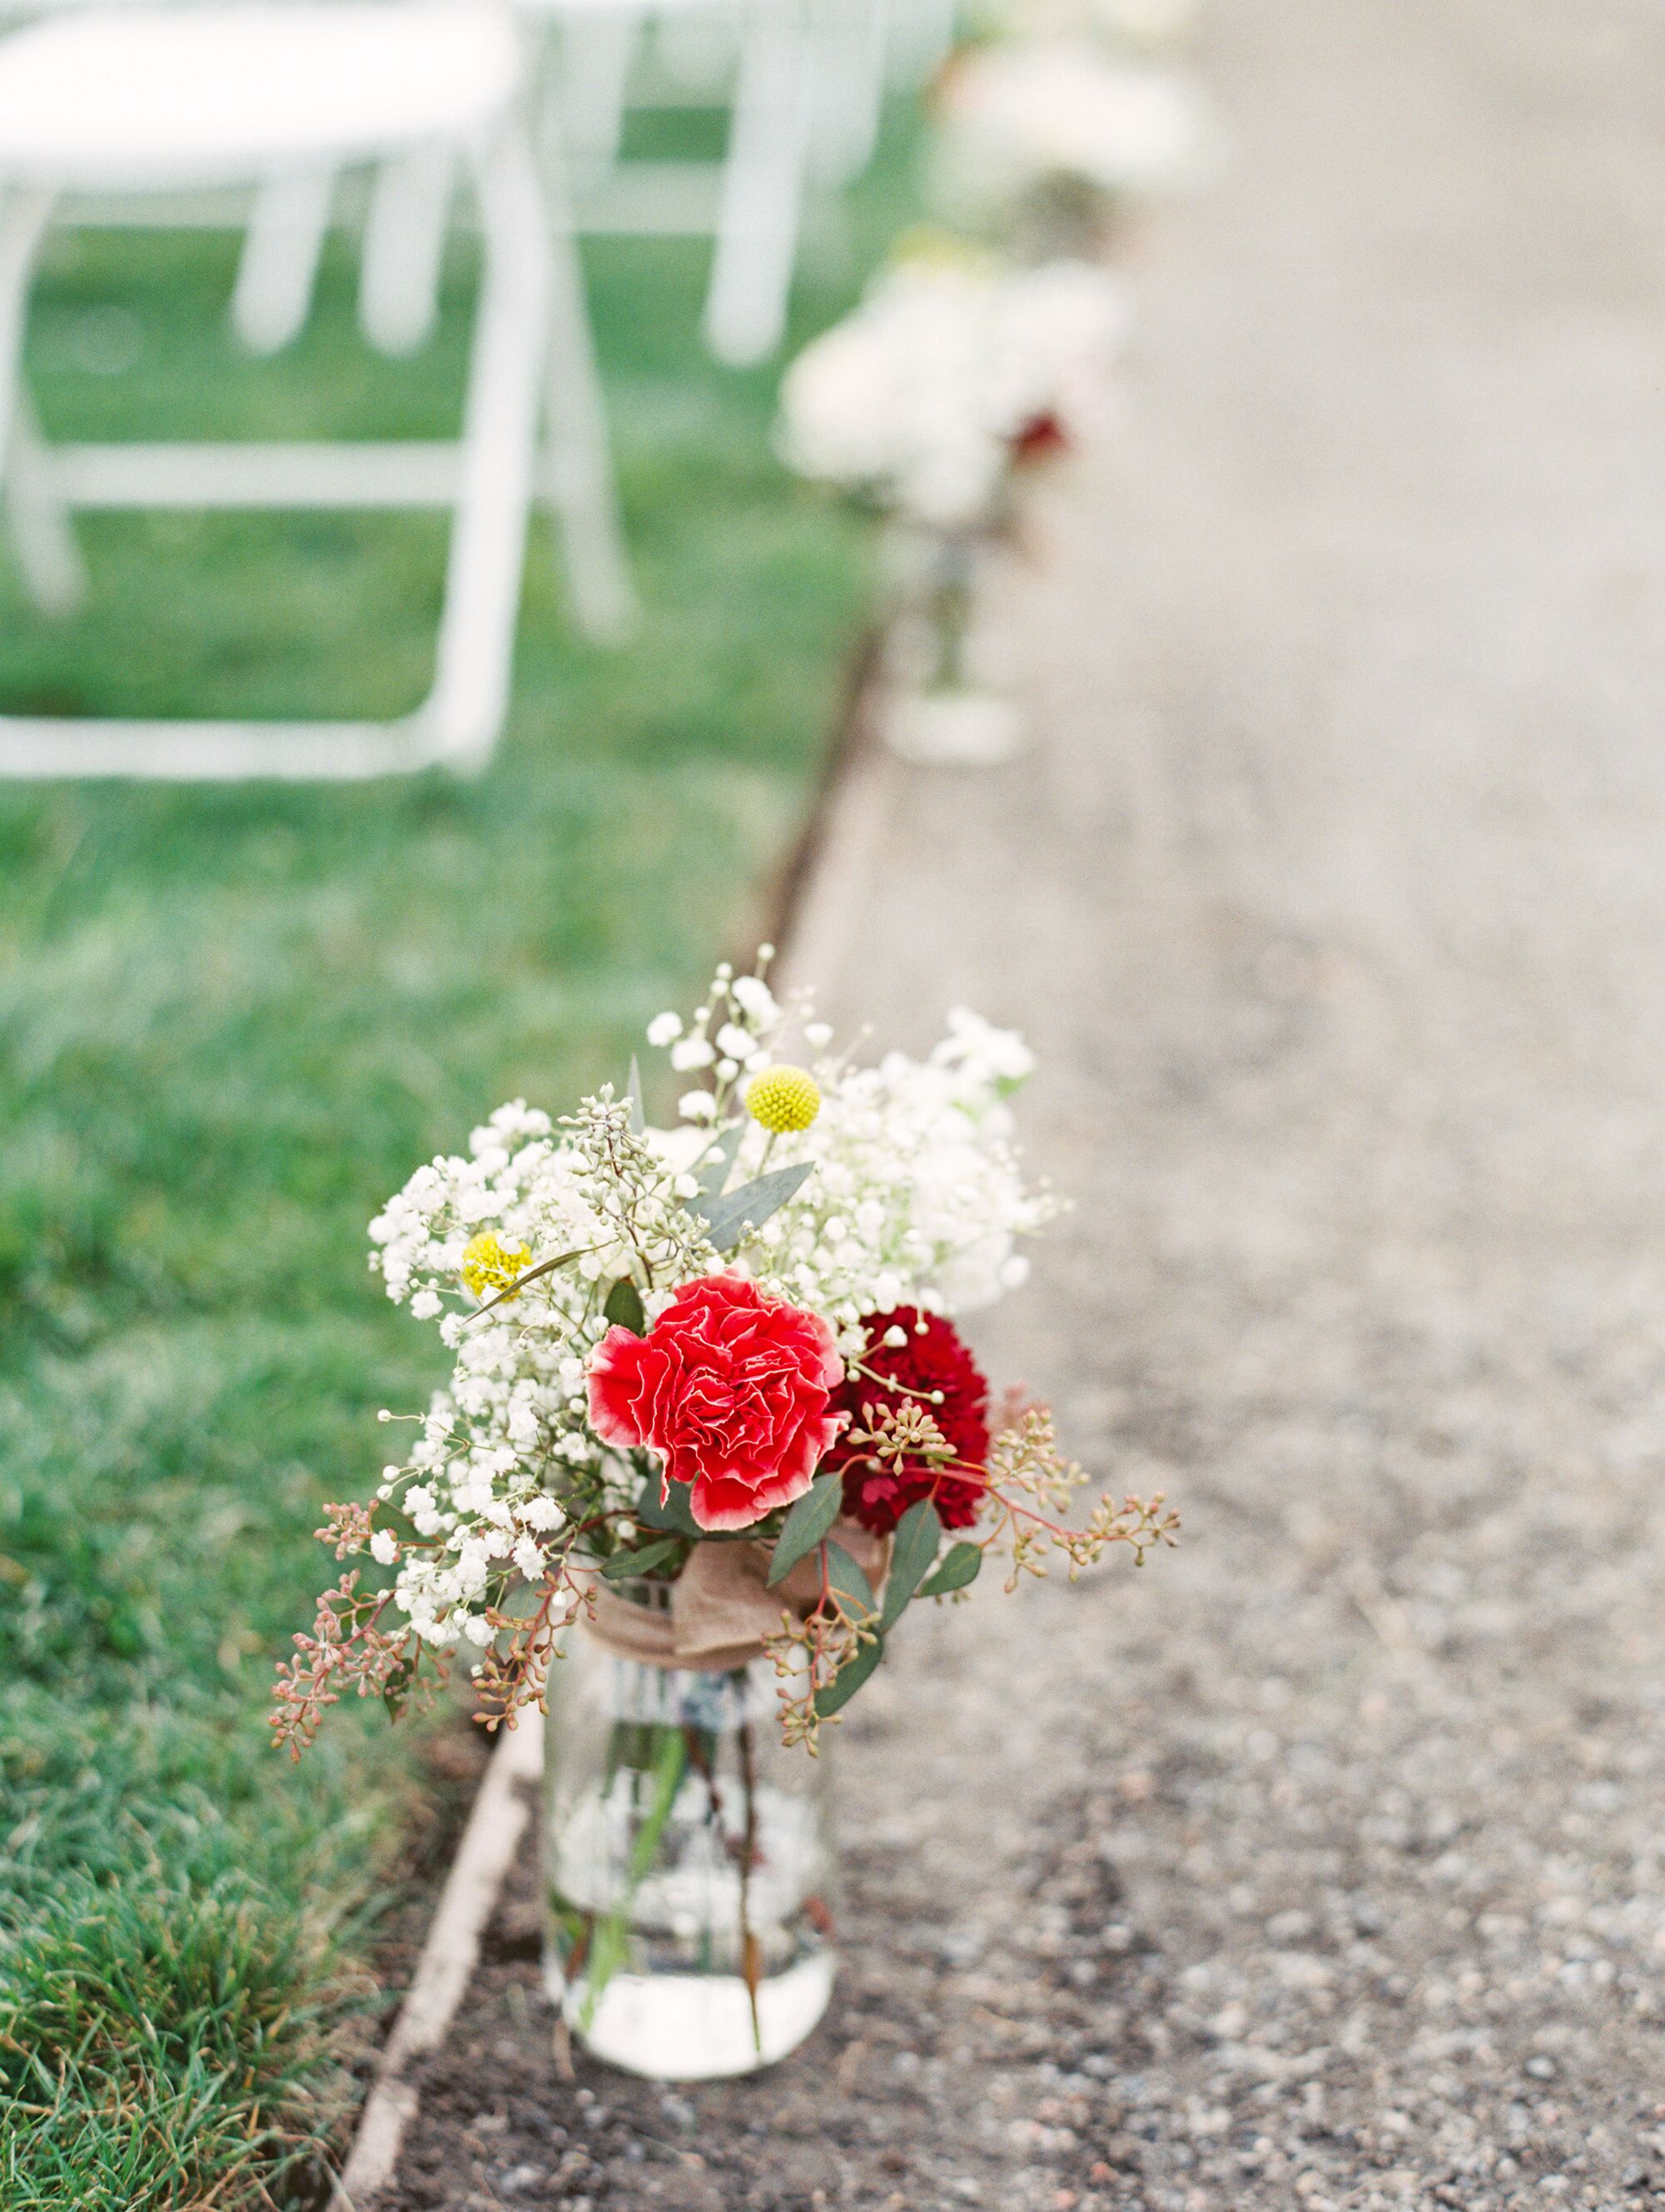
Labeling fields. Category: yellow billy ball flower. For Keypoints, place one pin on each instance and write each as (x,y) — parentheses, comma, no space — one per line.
(489,1266)
(783,1099)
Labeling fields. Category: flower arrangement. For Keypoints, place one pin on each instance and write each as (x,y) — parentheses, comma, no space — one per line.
(955,376)
(1047,138)
(715,1364)
(954,372)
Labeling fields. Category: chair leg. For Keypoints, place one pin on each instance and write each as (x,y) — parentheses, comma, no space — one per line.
(281,249)
(922,36)
(762,187)
(587,93)
(578,456)
(38,521)
(404,235)
(42,537)
(474,665)
(23,219)
(851,41)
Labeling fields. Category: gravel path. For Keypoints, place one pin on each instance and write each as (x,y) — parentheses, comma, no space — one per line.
(1323,1864)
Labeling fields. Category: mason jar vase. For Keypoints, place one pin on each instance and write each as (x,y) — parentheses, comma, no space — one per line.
(948,699)
(690,1863)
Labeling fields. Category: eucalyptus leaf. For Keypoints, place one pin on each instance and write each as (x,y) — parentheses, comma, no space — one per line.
(848,1679)
(673,1513)
(918,1532)
(623,1565)
(956,1572)
(806,1524)
(719,1163)
(727,1218)
(544,1268)
(624,1307)
(846,1579)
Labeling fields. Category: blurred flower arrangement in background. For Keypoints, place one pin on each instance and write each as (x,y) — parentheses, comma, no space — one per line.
(1050,142)
(956,373)
(981,351)
(959,374)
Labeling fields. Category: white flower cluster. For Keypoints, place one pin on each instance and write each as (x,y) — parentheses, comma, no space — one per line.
(915,1197)
(506,1438)
(1024,113)
(916,399)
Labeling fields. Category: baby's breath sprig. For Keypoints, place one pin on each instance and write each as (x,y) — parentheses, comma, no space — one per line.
(630,1186)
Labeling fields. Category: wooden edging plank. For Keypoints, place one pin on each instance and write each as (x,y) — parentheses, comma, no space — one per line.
(502,1809)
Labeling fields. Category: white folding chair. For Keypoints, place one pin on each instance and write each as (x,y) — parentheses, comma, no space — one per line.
(804,91)
(136,101)
(762,180)
(794,68)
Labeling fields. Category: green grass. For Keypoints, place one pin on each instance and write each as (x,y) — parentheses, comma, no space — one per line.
(231,1021)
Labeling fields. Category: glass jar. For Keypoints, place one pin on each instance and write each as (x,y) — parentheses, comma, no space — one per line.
(690,1864)
(948,703)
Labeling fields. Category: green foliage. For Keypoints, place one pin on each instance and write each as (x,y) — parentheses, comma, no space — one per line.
(624,1307)
(846,1581)
(676,1511)
(837,1693)
(957,1571)
(233,1020)
(806,1524)
(918,1532)
(736,1213)
(149,2038)
(624,1565)
(719,1162)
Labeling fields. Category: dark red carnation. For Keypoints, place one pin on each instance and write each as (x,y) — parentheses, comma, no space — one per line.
(929,1359)
(731,1388)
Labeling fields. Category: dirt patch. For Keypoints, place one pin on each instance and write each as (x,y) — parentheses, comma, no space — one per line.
(1037,2029)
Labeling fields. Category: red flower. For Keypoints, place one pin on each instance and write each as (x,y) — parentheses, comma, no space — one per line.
(930,1358)
(731,1389)
(1041,437)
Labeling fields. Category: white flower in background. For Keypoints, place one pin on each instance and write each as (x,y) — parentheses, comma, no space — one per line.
(1025,114)
(923,398)
(985,1057)
(917,1196)
(1143,26)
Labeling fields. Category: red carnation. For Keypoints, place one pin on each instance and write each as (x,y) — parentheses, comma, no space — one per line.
(931,1357)
(733,1390)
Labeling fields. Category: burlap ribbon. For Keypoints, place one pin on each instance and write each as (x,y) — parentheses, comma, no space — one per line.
(721,1607)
